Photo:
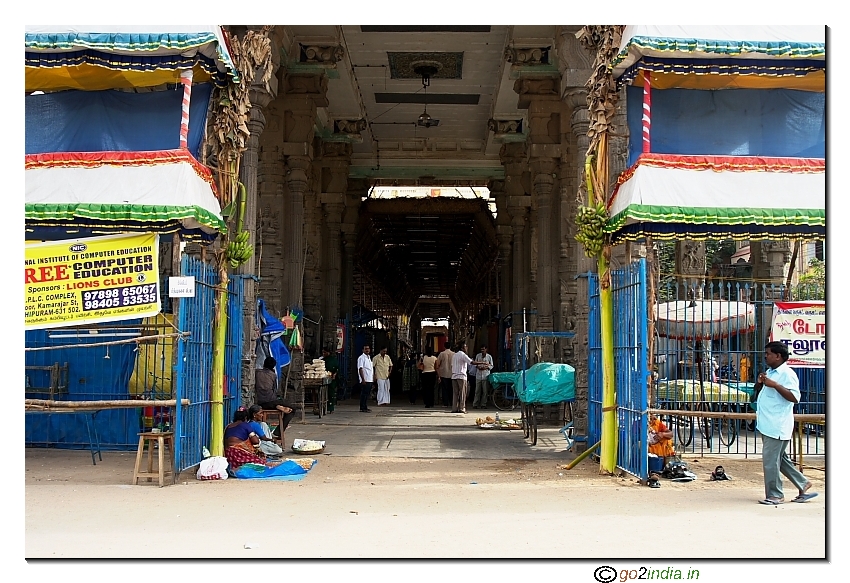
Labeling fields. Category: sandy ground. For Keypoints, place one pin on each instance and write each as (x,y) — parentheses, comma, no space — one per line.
(404,482)
(366,507)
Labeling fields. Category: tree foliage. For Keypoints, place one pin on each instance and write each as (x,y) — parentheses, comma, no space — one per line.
(812,283)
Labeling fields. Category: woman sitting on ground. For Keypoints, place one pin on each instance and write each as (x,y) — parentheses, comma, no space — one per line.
(263,431)
(660,439)
(241,441)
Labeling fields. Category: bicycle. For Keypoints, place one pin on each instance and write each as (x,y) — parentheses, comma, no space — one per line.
(505,398)
(685,425)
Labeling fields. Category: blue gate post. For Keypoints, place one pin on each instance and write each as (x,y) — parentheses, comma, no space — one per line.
(192,425)
(632,370)
(630,365)
(594,364)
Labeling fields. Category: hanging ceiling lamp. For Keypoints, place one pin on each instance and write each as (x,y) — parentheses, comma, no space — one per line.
(426,71)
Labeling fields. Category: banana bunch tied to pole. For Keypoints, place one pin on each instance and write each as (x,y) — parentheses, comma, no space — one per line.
(591,222)
(238,250)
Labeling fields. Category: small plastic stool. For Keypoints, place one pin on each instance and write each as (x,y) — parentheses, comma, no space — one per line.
(161,439)
(274,419)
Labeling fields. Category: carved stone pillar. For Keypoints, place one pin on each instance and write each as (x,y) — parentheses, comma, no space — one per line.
(303,94)
(357,189)
(336,158)
(541,96)
(769,260)
(296,182)
(513,158)
(503,234)
(248,175)
(690,268)
(544,181)
(577,298)
(770,266)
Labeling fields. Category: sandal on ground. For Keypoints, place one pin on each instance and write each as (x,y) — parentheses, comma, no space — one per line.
(805,497)
(771,502)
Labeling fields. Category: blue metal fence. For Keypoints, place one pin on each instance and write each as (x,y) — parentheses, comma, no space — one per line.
(713,374)
(630,362)
(194,360)
(712,366)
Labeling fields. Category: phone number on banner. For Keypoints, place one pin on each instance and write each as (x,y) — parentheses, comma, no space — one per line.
(119,297)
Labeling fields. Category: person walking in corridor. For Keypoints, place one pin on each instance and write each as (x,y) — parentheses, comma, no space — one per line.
(429,377)
(484,363)
(383,366)
(444,369)
(778,390)
(365,375)
(460,362)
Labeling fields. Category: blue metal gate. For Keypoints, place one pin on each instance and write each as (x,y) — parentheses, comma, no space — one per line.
(630,362)
(195,356)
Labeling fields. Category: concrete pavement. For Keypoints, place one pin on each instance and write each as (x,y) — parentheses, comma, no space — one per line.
(412,431)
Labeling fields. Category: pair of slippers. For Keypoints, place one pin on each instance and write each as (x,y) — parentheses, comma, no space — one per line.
(652,482)
(719,474)
(800,498)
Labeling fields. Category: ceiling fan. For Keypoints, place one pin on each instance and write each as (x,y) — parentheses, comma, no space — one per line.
(426,71)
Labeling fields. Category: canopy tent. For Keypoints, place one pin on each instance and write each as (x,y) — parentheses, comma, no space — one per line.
(114,130)
(711,56)
(703,319)
(727,133)
(108,57)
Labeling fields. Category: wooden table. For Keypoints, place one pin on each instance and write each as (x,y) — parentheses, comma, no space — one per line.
(318,391)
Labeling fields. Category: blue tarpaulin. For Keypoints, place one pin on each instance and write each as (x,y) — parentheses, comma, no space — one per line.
(288,470)
(105,121)
(270,342)
(91,376)
(545,383)
(731,122)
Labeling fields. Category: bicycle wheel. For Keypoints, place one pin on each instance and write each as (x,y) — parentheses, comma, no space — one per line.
(532,422)
(727,429)
(685,430)
(502,400)
(526,426)
(706,424)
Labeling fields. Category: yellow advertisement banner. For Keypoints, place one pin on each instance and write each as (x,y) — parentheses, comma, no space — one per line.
(98,279)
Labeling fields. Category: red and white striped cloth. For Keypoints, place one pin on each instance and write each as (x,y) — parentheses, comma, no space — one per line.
(186,80)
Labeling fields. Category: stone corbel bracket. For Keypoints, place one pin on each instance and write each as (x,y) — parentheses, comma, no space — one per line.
(527,56)
(347,130)
(534,61)
(325,55)
(507,130)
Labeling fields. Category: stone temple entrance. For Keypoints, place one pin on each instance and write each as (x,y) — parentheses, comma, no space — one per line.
(349,110)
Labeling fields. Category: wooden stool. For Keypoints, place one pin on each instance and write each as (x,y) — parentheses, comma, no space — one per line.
(274,418)
(161,439)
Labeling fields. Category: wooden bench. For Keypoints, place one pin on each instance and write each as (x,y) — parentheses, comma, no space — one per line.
(58,384)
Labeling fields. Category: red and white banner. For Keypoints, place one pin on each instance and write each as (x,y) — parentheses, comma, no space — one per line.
(802,327)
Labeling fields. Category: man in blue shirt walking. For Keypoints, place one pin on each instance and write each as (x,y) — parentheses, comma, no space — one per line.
(778,390)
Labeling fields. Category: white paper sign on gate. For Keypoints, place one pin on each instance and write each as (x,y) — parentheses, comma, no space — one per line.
(181,287)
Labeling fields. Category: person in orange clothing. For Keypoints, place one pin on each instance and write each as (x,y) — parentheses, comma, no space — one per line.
(660,439)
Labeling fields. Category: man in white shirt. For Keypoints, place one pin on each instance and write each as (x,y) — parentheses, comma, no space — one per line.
(460,361)
(444,369)
(484,363)
(365,375)
(778,390)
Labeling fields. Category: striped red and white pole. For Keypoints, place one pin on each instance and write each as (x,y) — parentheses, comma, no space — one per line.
(647,107)
(186,80)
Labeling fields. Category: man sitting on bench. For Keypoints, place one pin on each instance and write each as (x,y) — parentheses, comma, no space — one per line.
(265,390)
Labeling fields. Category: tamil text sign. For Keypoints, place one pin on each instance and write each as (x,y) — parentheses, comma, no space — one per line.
(802,327)
(99,279)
